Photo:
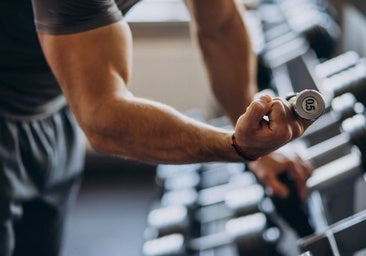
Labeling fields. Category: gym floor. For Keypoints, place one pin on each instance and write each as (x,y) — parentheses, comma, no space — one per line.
(110,213)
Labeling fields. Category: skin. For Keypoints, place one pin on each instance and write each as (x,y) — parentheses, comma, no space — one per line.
(93,69)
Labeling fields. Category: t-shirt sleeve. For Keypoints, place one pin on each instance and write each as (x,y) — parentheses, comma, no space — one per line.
(72,16)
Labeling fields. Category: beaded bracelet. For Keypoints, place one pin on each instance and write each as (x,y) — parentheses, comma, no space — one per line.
(237,149)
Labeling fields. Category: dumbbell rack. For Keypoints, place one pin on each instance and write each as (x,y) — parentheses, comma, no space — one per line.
(221,209)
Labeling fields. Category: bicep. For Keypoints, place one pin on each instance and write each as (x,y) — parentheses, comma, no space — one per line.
(87,45)
(90,66)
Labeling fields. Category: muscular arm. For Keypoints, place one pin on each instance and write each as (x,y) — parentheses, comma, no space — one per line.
(223,39)
(93,69)
(226,49)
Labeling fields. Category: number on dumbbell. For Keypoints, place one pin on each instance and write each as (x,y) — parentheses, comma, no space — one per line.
(310,104)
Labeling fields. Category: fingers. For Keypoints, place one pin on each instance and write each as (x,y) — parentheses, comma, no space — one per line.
(270,168)
(300,170)
(258,109)
(284,121)
(279,120)
(257,135)
(267,170)
(275,188)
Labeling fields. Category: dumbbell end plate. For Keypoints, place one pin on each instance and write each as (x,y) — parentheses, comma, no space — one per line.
(309,104)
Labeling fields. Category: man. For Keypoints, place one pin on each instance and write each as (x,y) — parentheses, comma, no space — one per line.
(83,48)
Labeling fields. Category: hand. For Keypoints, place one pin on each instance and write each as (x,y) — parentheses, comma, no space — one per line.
(267,124)
(268,168)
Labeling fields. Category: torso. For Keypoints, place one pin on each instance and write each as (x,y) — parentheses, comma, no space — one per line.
(28,88)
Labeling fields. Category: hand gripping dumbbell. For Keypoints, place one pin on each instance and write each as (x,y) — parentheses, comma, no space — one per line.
(177,218)
(307,104)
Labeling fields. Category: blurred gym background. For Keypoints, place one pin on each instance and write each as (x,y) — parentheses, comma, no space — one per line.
(110,214)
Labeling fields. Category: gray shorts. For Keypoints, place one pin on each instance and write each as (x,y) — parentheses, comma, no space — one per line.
(40,166)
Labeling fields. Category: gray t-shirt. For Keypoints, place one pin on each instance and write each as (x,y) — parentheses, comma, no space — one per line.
(28,89)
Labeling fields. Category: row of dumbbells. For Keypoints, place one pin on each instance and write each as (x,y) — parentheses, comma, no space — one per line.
(333,184)
(284,29)
(220,209)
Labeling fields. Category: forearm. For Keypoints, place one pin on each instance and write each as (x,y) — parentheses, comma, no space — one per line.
(152,132)
(229,60)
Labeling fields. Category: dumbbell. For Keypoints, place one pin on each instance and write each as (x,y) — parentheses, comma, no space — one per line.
(328,125)
(207,175)
(178,208)
(239,202)
(284,43)
(307,253)
(351,80)
(214,205)
(353,135)
(307,21)
(203,220)
(249,235)
(209,195)
(337,64)
(317,26)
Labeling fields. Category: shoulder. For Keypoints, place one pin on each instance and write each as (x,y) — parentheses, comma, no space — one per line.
(72,16)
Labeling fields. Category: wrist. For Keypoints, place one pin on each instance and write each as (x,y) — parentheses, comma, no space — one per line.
(239,151)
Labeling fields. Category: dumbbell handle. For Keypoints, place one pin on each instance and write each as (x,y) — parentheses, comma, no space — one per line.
(307,104)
